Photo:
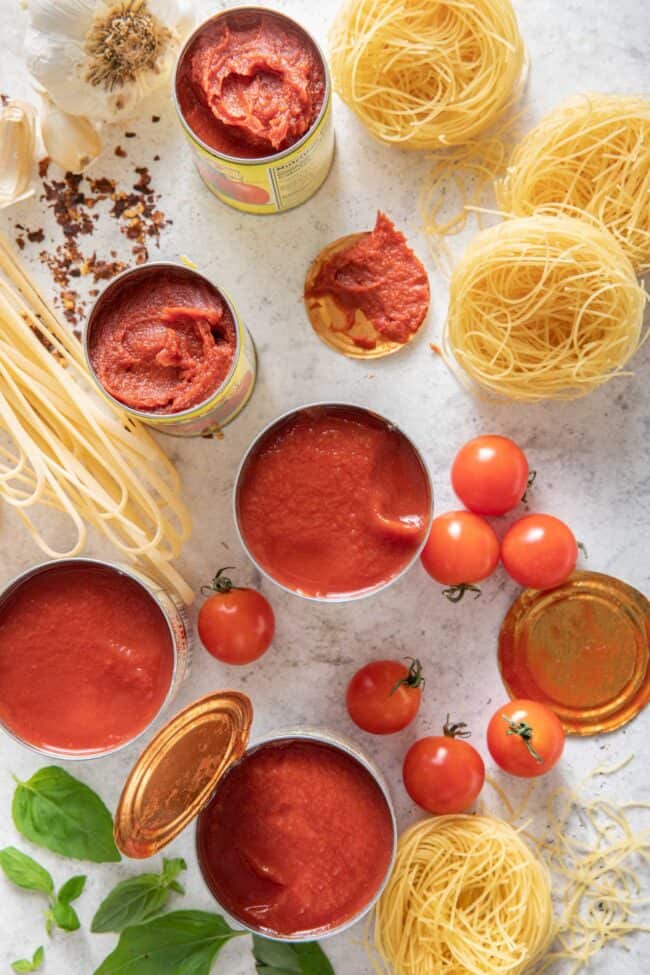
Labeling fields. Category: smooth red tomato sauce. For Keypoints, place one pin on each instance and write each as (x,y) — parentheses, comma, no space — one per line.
(163,341)
(333,501)
(250,84)
(298,838)
(86,659)
(380,276)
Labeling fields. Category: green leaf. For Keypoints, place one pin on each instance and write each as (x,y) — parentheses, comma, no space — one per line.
(21,870)
(55,810)
(180,943)
(25,965)
(278,958)
(65,916)
(138,899)
(71,889)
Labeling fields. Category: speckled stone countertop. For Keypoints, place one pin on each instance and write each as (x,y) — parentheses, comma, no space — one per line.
(592,458)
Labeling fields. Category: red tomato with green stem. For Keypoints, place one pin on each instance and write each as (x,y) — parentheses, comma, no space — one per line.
(384,696)
(525,738)
(444,774)
(490,475)
(539,552)
(461,550)
(236,624)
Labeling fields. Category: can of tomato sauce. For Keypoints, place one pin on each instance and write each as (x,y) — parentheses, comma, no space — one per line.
(295,833)
(167,346)
(91,653)
(254,97)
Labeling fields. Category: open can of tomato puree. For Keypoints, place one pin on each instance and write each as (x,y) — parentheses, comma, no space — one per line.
(333,502)
(253,94)
(91,653)
(295,834)
(167,346)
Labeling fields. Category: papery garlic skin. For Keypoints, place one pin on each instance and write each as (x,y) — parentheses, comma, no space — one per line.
(71,141)
(67,52)
(17,151)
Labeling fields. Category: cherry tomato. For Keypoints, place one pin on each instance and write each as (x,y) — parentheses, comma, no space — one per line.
(442,773)
(235,625)
(490,475)
(539,551)
(462,549)
(525,738)
(384,696)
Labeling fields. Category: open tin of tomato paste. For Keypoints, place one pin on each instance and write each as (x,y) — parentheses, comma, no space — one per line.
(230,150)
(167,346)
(296,834)
(333,502)
(91,655)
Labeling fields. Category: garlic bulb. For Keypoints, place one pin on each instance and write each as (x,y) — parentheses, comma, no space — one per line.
(100,58)
(71,141)
(17,150)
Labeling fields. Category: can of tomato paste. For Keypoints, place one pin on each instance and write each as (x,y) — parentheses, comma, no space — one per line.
(257,810)
(254,97)
(168,347)
(332,464)
(92,653)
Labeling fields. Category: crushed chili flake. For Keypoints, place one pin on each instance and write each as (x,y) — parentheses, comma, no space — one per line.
(129,135)
(155,118)
(119,151)
(77,201)
(43,166)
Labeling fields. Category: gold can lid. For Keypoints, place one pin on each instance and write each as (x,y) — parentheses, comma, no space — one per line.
(177,773)
(582,649)
(329,321)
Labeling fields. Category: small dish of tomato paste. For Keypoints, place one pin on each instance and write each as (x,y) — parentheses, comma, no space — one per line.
(88,658)
(298,840)
(333,502)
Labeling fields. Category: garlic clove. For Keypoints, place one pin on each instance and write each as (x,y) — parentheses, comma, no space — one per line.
(71,141)
(17,151)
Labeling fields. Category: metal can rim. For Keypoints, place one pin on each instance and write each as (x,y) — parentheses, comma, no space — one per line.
(341,597)
(192,411)
(253,160)
(343,744)
(46,566)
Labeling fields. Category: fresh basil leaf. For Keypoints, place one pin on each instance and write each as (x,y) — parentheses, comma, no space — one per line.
(21,870)
(278,958)
(25,965)
(180,943)
(55,810)
(65,916)
(71,889)
(138,899)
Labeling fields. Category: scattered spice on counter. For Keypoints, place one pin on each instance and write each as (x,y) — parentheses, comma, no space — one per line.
(119,151)
(78,203)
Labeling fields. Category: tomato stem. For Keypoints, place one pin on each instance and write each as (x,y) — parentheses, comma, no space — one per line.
(220,582)
(583,549)
(456,729)
(455,593)
(525,732)
(414,678)
(531,480)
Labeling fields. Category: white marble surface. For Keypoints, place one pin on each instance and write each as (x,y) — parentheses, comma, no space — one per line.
(592,458)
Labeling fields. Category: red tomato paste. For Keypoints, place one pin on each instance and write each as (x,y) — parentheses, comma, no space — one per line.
(250,84)
(86,659)
(333,501)
(380,276)
(297,839)
(164,342)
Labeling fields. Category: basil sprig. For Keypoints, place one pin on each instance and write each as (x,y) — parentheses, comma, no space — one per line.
(138,899)
(55,810)
(179,943)
(30,965)
(25,872)
(278,958)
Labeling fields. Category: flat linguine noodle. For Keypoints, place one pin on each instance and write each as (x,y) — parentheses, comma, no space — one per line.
(590,155)
(543,307)
(426,74)
(63,448)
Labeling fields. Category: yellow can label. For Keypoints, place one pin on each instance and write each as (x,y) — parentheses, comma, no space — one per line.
(277,184)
